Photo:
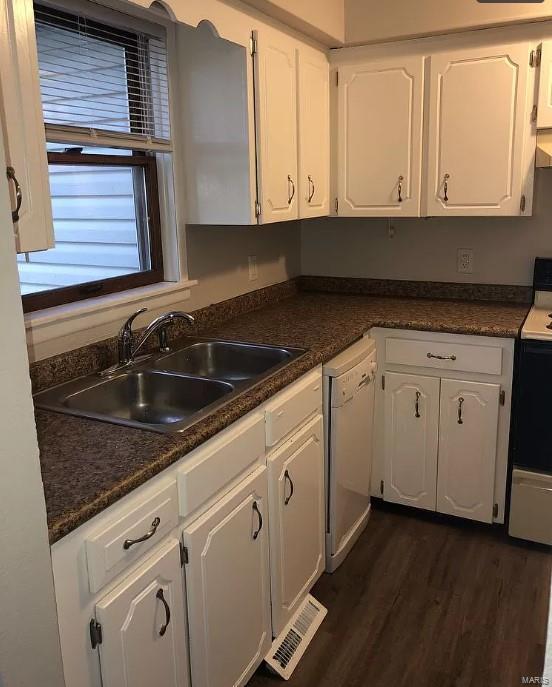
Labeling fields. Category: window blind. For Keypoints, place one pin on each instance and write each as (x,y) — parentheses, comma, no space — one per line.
(100,83)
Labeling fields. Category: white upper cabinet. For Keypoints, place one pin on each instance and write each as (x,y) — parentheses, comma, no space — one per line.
(276,94)
(467,449)
(314,133)
(23,127)
(216,109)
(380,138)
(143,639)
(411,439)
(480,132)
(544,112)
(228,586)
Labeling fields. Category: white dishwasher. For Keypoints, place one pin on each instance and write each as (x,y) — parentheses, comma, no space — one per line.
(349,412)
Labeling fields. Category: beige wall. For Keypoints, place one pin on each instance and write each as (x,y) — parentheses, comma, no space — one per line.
(426,249)
(322,19)
(368,21)
(218,258)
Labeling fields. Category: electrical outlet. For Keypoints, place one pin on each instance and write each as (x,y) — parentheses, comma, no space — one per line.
(253,274)
(465,260)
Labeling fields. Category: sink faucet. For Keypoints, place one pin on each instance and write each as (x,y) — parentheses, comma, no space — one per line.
(128,349)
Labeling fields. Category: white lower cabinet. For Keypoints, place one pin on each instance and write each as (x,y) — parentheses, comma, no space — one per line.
(467,448)
(195,540)
(296,496)
(411,439)
(143,636)
(441,440)
(228,586)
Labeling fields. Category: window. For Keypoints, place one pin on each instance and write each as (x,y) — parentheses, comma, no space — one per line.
(105,103)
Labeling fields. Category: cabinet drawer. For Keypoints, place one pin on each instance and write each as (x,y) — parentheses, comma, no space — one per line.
(291,407)
(110,549)
(216,466)
(444,355)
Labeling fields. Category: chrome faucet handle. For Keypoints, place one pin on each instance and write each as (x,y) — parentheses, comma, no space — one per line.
(127,327)
(126,338)
(170,317)
(157,325)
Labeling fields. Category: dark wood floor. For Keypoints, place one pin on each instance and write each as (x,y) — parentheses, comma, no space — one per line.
(422,602)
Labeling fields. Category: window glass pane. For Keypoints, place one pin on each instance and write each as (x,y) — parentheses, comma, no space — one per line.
(100,226)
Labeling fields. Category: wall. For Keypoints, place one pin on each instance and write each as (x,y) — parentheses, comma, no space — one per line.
(324,20)
(29,641)
(368,21)
(217,257)
(426,249)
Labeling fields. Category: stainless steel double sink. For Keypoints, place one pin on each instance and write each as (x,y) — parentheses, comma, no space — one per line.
(169,392)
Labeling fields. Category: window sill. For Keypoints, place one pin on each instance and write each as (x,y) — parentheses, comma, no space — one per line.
(65,327)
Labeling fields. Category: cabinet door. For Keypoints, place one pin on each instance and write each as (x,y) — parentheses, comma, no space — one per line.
(478,129)
(276,94)
(143,628)
(296,493)
(467,449)
(380,138)
(314,133)
(23,126)
(411,439)
(228,586)
(544,111)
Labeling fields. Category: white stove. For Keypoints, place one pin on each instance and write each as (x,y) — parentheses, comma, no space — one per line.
(538,324)
(531,492)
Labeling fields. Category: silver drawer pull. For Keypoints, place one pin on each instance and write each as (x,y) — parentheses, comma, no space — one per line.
(441,357)
(130,542)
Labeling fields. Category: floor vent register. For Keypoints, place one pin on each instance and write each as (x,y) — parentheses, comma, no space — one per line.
(292,642)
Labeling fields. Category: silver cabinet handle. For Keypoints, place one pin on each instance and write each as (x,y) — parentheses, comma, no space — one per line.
(291,185)
(460,404)
(399,189)
(260,518)
(312,189)
(130,542)
(166,606)
(417,406)
(445,187)
(287,477)
(10,173)
(441,357)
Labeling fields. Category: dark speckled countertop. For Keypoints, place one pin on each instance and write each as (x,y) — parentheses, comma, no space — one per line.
(88,465)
